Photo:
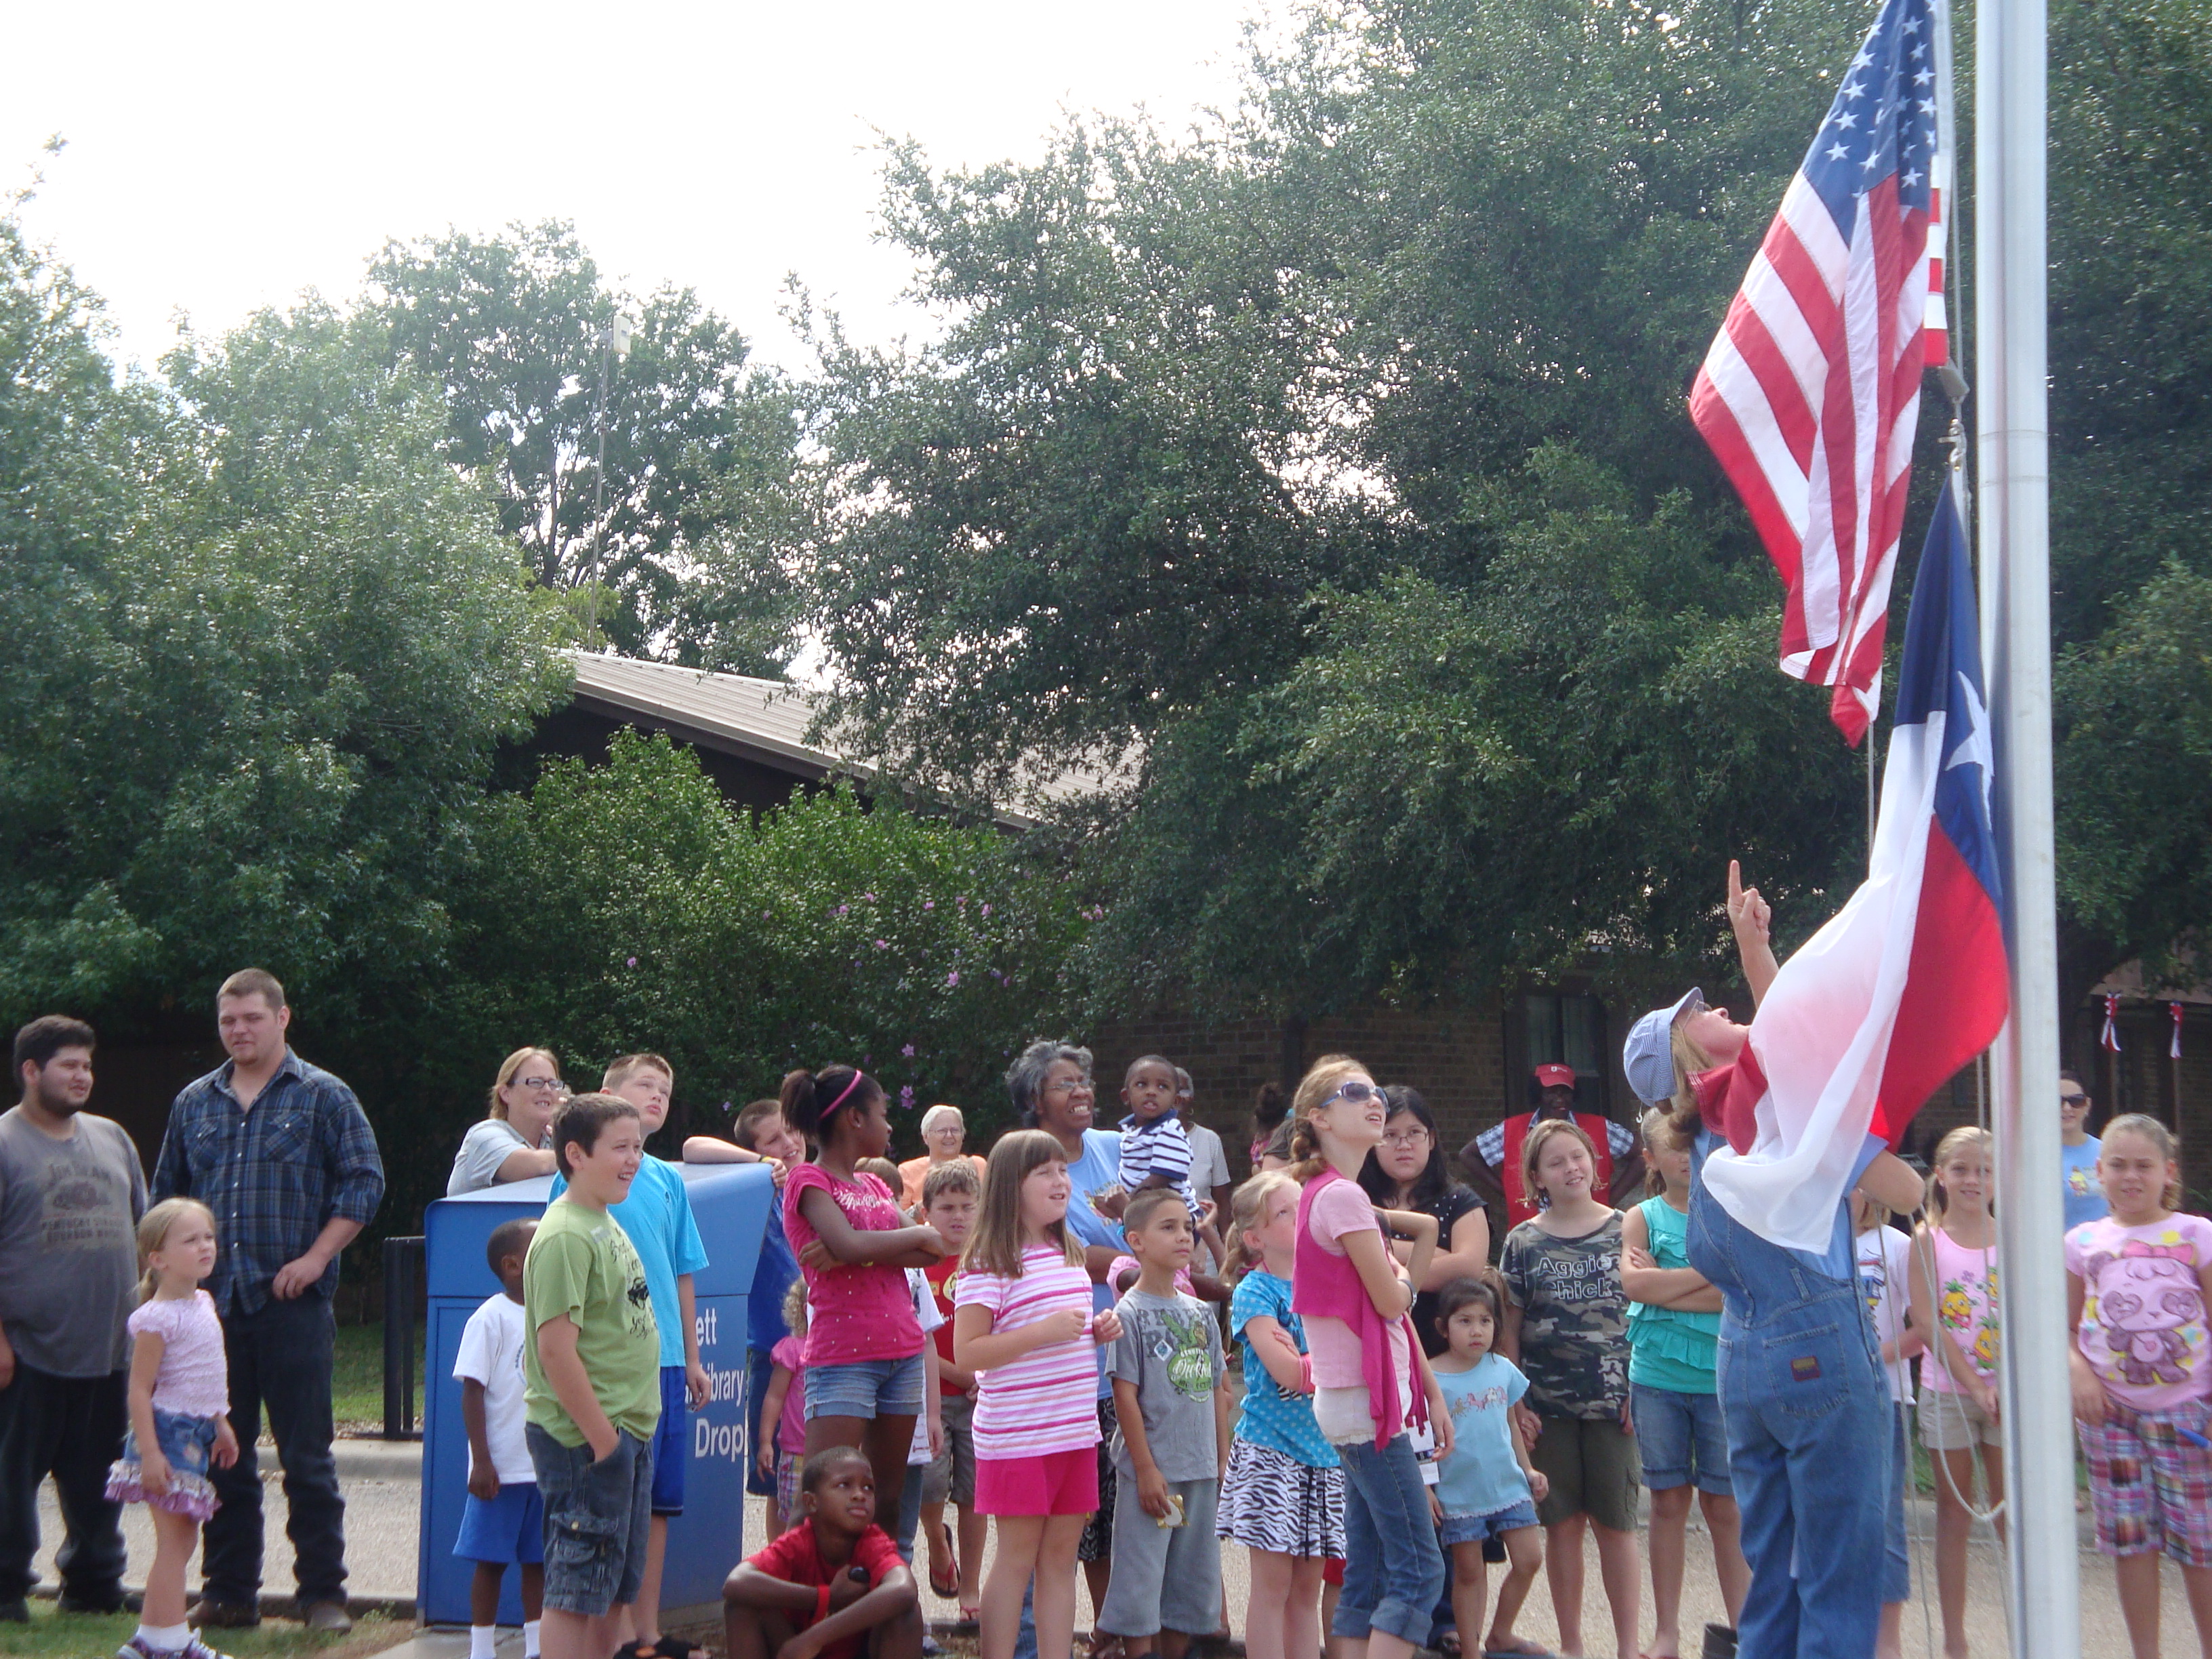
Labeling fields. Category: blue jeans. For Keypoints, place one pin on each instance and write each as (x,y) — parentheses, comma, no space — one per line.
(1807,1414)
(279,1358)
(1393,1570)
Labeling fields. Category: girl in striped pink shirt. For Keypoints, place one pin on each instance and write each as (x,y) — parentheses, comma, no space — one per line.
(1022,1321)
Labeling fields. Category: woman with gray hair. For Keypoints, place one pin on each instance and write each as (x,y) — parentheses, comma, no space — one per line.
(943,1131)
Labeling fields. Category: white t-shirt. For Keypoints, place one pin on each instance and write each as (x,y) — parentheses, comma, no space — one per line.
(1885,1258)
(491,1353)
(1209,1161)
(926,1313)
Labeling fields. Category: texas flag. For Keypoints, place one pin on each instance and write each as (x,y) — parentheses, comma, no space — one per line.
(1908,982)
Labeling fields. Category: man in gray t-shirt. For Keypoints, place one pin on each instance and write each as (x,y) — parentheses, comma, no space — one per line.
(71,1193)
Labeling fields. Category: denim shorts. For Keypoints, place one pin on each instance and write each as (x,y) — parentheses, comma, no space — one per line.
(1682,1438)
(597,1515)
(188,1443)
(1480,1528)
(866,1388)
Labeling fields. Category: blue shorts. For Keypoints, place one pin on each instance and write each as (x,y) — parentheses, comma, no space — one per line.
(670,1451)
(507,1530)
(1482,1529)
(1682,1438)
(867,1387)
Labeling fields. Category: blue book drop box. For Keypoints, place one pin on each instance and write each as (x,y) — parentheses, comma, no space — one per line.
(730,1201)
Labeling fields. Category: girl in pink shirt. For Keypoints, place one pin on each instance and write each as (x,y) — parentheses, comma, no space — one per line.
(179,1394)
(1369,1379)
(1954,1292)
(864,1374)
(2137,1283)
(1022,1321)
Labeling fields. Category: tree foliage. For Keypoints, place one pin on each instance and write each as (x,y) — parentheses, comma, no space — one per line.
(262,642)
(1332,461)
(699,487)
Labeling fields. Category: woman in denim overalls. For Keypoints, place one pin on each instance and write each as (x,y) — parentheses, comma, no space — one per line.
(1801,1384)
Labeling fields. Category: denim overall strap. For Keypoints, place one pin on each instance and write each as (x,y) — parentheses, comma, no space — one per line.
(1808,1416)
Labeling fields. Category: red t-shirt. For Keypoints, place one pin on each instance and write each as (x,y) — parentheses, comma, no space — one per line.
(944,1276)
(796,1558)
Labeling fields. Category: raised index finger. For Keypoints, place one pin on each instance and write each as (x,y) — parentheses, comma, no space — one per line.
(1735,886)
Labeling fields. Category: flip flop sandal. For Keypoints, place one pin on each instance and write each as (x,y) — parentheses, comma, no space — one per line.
(947,1586)
(970,1620)
(1517,1653)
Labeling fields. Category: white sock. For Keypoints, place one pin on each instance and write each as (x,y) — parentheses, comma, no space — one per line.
(169,1638)
(480,1637)
(530,1638)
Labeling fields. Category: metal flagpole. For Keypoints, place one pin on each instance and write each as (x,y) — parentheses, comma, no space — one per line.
(2013,444)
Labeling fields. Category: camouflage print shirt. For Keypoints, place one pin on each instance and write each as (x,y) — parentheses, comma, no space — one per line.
(1574,1318)
(1170,1349)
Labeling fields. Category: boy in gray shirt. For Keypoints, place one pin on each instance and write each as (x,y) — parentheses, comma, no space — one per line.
(1171,1404)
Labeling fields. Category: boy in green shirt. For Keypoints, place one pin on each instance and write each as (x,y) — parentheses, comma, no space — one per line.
(590,1381)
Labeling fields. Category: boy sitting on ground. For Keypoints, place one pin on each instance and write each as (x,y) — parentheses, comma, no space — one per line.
(833,1587)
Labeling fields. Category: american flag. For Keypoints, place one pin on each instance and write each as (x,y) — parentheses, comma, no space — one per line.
(1811,391)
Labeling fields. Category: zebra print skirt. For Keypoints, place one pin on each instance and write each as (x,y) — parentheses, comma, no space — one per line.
(1271,1501)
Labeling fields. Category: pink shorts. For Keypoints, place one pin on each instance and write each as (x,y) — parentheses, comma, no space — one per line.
(1056,1483)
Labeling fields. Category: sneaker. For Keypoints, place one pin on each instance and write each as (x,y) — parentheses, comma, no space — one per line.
(138,1648)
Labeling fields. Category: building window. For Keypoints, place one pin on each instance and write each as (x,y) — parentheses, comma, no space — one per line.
(1560,1029)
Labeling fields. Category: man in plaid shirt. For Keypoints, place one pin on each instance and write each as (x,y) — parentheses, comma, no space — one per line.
(283,1153)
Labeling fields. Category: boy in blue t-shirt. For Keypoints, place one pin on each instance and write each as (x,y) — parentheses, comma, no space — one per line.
(657,1217)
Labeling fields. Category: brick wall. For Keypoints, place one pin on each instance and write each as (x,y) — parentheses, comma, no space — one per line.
(1455,1056)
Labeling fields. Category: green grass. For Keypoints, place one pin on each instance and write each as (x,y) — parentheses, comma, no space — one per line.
(357,1375)
(93,1636)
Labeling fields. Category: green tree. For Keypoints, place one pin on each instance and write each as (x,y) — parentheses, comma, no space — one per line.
(700,492)
(1332,464)
(264,646)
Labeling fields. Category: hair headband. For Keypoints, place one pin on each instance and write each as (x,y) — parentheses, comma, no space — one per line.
(840,1101)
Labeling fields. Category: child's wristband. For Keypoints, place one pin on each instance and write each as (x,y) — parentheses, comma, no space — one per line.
(1306,1373)
(822,1604)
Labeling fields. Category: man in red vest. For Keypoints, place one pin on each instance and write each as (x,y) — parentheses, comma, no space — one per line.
(1492,1159)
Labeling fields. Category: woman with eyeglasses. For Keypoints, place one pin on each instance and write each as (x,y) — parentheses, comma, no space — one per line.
(943,1131)
(1408,1171)
(513,1142)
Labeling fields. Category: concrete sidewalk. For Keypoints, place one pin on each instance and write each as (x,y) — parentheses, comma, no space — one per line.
(381,1483)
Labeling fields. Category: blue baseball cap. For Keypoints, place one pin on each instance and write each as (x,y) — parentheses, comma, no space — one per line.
(1647,1059)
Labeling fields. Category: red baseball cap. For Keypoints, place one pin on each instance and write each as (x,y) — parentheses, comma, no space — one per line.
(1555,1077)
